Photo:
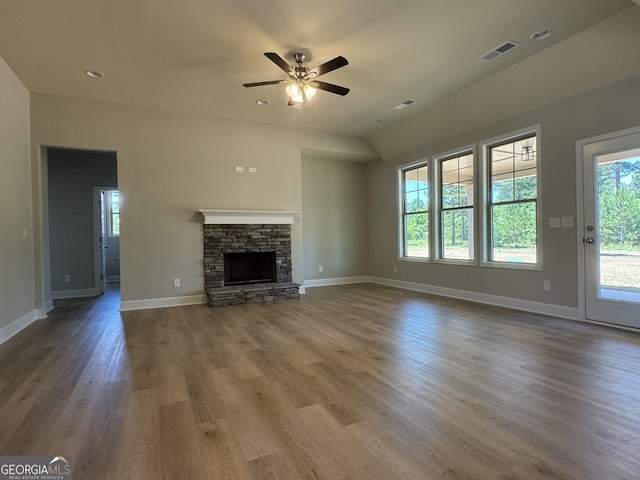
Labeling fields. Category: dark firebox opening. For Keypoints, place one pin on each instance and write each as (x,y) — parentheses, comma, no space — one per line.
(250,267)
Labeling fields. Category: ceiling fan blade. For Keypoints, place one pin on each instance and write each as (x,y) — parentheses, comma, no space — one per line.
(259,84)
(279,61)
(330,87)
(329,66)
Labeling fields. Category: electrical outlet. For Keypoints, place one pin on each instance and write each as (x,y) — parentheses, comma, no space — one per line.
(67,277)
(176,282)
(395,269)
(547,285)
(253,169)
(239,169)
(320,268)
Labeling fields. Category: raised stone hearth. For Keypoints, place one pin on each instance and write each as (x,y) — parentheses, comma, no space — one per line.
(254,293)
(233,237)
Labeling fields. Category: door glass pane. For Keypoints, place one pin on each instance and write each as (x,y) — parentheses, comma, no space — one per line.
(619,227)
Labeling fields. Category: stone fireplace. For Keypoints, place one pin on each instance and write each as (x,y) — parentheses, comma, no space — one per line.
(247,257)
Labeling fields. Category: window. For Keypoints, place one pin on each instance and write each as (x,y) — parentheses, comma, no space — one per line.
(512,200)
(456,238)
(415,211)
(504,232)
(113,213)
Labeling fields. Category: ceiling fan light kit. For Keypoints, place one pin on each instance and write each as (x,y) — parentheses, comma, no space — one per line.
(302,85)
(299,92)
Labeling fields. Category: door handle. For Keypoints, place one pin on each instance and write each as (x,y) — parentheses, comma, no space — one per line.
(588,240)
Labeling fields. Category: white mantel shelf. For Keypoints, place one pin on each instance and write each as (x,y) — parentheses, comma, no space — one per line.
(237,217)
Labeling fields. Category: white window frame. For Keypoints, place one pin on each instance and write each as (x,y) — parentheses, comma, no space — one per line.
(437,204)
(484,203)
(400,204)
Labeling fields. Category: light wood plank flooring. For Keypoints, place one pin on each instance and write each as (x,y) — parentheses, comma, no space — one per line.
(349,382)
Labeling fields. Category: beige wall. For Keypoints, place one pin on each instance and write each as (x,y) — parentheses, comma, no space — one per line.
(172,164)
(334,211)
(606,109)
(605,53)
(16,252)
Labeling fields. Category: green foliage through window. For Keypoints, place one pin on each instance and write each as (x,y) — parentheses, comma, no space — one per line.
(456,207)
(619,204)
(513,201)
(415,184)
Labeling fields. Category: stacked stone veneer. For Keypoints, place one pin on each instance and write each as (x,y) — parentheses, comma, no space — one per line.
(222,239)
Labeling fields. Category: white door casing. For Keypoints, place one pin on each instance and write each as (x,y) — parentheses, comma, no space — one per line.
(598,302)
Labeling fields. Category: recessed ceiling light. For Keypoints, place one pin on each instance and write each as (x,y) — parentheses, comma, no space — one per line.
(540,34)
(94,73)
(262,102)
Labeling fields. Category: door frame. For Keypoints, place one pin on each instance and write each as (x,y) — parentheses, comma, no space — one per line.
(41,221)
(580,223)
(100,272)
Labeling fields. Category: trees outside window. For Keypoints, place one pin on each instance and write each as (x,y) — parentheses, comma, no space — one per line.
(619,185)
(512,201)
(504,231)
(456,207)
(415,211)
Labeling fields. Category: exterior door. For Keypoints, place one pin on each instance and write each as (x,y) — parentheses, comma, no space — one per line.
(610,228)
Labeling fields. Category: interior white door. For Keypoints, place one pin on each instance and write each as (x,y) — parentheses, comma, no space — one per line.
(103,242)
(611,228)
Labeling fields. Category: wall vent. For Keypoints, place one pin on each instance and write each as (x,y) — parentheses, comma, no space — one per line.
(407,103)
(499,51)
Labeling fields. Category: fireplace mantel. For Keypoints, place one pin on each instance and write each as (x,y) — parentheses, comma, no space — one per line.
(237,217)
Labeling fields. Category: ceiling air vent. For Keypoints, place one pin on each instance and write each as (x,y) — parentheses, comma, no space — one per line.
(499,51)
(407,103)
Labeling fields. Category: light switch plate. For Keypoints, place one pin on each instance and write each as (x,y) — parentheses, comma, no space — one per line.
(239,169)
(567,222)
(554,222)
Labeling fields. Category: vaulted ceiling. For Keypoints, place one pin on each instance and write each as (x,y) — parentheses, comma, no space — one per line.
(194,55)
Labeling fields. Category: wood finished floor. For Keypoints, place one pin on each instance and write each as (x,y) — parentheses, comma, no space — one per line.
(349,382)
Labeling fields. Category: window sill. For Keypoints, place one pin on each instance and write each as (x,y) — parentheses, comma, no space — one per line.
(513,266)
(415,259)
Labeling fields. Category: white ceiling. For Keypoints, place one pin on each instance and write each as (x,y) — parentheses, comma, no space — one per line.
(194,55)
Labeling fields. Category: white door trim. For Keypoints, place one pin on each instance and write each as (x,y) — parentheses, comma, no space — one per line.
(97,227)
(581,145)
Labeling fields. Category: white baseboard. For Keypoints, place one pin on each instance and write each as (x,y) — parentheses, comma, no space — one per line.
(129,305)
(325,282)
(508,302)
(48,306)
(80,293)
(18,325)
(113,279)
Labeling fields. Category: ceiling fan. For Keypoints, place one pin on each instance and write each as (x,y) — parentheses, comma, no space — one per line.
(302,84)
